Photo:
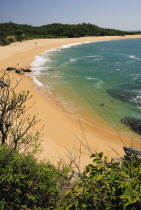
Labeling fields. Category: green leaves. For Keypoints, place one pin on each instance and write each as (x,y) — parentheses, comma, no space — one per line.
(100,154)
(26,184)
(126,194)
(107,185)
(19,32)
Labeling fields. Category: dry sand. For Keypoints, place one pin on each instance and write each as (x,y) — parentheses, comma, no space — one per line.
(60,130)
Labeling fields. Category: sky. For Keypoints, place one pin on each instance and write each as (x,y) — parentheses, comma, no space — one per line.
(118,14)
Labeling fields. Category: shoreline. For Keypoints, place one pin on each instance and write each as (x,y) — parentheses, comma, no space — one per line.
(60,129)
(54,100)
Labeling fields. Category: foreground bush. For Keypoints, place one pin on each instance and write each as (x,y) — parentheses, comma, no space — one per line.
(26,184)
(106,185)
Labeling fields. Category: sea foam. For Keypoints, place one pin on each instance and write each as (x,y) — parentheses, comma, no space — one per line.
(73,60)
(40,60)
(37,82)
(91,78)
(134,57)
(78,43)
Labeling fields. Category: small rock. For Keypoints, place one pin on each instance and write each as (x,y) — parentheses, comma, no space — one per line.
(10,69)
(117,160)
(26,70)
(19,71)
(51,70)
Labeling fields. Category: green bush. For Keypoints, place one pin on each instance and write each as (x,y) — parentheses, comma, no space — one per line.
(26,184)
(5,41)
(106,185)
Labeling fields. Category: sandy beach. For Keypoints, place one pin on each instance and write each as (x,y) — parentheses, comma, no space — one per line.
(61,132)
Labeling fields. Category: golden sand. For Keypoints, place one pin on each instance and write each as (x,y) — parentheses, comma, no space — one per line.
(60,130)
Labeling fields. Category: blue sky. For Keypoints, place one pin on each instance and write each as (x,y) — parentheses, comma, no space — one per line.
(118,14)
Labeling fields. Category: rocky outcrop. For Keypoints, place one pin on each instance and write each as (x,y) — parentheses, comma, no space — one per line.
(133,124)
(131,152)
(127,92)
(10,69)
(19,71)
(51,70)
(27,70)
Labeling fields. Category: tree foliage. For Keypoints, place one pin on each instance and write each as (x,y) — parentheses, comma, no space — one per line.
(107,185)
(55,30)
(26,184)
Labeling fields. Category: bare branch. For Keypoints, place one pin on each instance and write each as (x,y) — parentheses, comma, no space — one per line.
(16,127)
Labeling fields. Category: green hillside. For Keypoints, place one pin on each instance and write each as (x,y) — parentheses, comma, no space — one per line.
(10,32)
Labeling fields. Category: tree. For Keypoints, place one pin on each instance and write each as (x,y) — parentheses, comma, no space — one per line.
(55,30)
(16,126)
(19,33)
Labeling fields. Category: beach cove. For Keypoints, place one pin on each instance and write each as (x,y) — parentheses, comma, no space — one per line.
(60,130)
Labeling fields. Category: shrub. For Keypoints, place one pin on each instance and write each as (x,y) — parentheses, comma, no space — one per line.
(105,185)
(26,184)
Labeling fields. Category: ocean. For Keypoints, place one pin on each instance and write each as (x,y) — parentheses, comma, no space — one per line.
(90,81)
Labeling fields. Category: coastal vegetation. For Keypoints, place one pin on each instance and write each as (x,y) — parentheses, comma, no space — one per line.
(11,32)
(29,184)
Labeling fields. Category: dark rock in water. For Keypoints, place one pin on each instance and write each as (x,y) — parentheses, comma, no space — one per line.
(132,152)
(125,96)
(26,70)
(136,110)
(3,84)
(10,69)
(19,71)
(133,124)
(51,70)
(136,85)
(128,92)
(121,94)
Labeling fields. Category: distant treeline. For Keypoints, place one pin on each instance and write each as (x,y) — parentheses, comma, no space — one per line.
(10,32)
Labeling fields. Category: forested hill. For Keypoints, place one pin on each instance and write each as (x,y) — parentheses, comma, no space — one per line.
(17,32)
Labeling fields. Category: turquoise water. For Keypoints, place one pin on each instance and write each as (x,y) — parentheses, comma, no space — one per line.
(94,79)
